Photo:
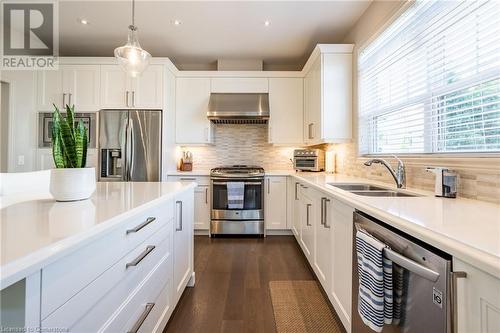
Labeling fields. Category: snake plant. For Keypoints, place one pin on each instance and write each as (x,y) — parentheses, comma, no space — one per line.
(69,140)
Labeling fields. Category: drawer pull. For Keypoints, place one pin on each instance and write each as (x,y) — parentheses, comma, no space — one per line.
(142,318)
(187,179)
(141,256)
(142,225)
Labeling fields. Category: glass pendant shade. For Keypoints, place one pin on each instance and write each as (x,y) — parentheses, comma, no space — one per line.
(131,56)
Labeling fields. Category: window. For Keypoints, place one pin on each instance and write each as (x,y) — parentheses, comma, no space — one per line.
(430,83)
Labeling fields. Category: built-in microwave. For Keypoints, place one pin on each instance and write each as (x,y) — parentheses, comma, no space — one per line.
(45,128)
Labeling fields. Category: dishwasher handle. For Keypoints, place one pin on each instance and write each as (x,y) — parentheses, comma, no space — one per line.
(411,265)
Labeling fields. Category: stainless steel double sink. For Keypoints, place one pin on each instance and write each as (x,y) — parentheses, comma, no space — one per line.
(371,190)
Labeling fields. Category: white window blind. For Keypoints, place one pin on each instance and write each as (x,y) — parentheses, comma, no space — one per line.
(430,83)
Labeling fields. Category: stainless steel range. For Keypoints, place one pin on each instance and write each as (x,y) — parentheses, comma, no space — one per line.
(237,200)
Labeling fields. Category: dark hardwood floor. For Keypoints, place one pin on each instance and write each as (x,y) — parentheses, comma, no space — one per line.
(232,276)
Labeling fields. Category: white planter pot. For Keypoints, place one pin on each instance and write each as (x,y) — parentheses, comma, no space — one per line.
(72,184)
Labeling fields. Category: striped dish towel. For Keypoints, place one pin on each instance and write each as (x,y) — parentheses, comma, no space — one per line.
(375,299)
(235,195)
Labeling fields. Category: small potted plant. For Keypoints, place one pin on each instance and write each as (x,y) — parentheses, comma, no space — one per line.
(70,180)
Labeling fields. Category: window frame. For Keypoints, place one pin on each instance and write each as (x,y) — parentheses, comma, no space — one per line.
(431,156)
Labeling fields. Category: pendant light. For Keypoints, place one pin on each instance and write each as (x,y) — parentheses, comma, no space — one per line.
(131,56)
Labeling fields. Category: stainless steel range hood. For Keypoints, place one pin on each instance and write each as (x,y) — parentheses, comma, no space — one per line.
(238,108)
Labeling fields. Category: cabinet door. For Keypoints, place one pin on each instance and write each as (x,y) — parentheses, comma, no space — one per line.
(296,211)
(323,245)
(81,83)
(147,89)
(478,300)
(312,124)
(50,90)
(201,208)
(183,241)
(275,203)
(340,219)
(307,226)
(286,99)
(115,87)
(191,123)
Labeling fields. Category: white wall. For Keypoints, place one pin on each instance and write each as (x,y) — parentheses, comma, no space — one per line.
(4,126)
(23,120)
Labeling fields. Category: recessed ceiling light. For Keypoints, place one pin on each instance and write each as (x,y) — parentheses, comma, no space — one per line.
(267,23)
(83,21)
(177,22)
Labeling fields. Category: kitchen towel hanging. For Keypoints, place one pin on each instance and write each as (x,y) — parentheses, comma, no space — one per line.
(235,195)
(375,304)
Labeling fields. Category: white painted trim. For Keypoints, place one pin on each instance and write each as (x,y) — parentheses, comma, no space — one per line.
(32,305)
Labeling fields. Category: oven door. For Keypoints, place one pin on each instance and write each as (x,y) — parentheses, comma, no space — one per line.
(253,201)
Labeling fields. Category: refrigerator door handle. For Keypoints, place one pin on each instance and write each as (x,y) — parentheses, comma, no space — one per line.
(124,148)
(128,152)
(131,142)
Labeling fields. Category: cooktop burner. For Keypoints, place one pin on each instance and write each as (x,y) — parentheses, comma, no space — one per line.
(240,171)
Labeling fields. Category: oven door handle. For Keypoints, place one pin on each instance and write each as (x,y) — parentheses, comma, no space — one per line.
(246,183)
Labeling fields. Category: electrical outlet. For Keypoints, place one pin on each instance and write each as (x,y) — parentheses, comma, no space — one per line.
(20,160)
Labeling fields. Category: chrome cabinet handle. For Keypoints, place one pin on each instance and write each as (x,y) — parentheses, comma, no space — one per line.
(268,185)
(133,98)
(141,256)
(206,195)
(454,308)
(307,214)
(142,225)
(296,194)
(69,98)
(142,318)
(64,100)
(322,220)
(309,129)
(126,98)
(179,203)
(182,178)
(325,215)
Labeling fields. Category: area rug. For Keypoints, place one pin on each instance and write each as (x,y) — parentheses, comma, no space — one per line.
(300,307)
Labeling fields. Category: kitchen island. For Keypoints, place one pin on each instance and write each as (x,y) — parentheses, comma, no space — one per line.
(116,262)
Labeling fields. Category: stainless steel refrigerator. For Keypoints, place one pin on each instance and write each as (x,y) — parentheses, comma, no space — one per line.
(129,145)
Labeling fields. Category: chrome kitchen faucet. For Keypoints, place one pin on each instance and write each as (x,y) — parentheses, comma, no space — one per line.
(399,174)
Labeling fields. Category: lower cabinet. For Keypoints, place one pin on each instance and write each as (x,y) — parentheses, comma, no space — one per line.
(323,226)
(478,300)
(275,198)
(183,242)
(132,286)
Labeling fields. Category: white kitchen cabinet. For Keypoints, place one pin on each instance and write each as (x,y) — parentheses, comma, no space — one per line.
(478,300)
(308,216)
(340,219)
(286,104)
(183,242)
(118,90)
(323,245)
(202,208)
(77,85)
(147,89)
(275,198)
(239,85)
(191,124)
(328,97)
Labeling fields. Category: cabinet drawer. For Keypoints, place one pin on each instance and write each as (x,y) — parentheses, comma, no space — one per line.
(67,276)
(200,180)
(157,289)
(91,308)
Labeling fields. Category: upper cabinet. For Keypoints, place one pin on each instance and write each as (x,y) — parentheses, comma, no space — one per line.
(191,124)
(239,85)
(69,85)
(328,95)
(286,99)
(121,91)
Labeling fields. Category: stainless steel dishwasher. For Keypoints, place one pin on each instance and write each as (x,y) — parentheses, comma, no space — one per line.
(425,288)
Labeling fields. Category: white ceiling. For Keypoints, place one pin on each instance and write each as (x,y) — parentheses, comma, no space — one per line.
(209,30)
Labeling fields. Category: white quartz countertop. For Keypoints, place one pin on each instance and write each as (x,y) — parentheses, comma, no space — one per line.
(466,229)
(35,230)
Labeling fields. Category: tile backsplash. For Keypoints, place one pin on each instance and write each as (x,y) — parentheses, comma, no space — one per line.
(480,181)
(241,144)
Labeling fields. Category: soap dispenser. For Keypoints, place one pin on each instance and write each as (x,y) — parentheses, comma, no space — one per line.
(446,182)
